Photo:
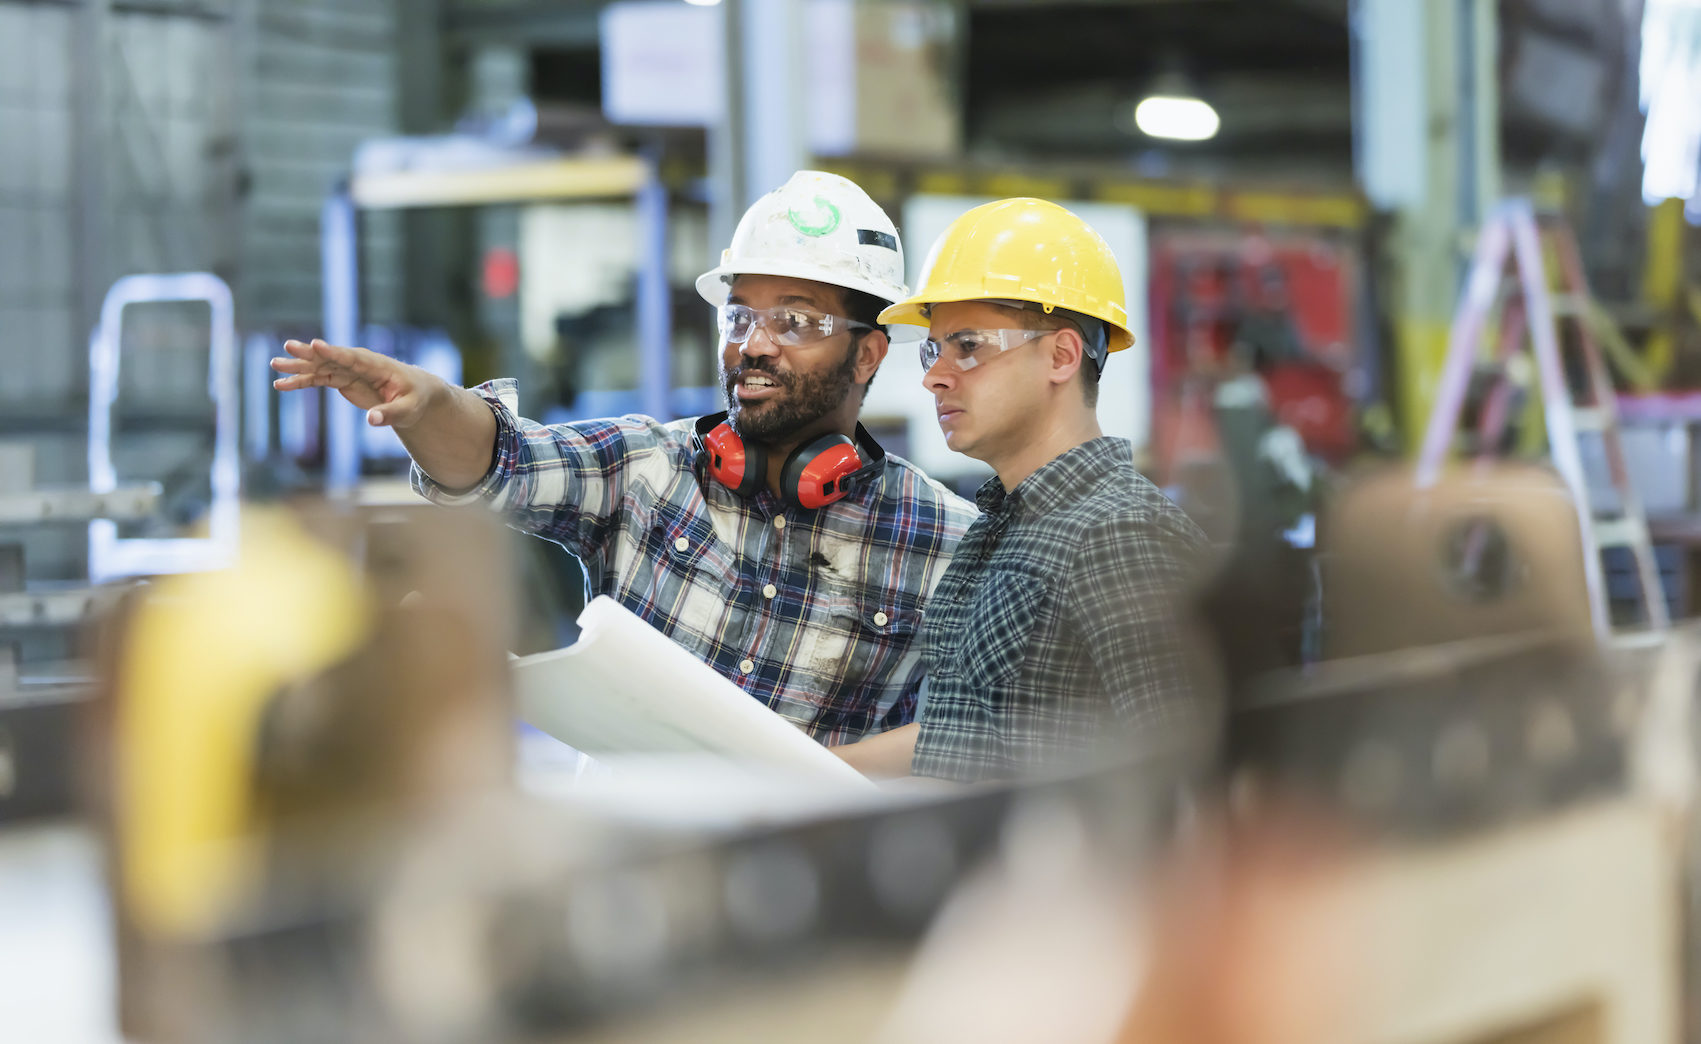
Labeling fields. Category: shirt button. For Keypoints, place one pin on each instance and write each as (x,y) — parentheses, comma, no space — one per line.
(880,619)
(779,522)
(770,591)
(681,544)
(746,666)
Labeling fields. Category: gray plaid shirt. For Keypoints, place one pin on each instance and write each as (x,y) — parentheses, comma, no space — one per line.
(1057,628)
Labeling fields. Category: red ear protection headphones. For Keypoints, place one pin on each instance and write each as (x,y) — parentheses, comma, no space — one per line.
(814,475)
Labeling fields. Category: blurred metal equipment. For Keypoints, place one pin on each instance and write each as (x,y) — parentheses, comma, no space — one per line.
(277,728)
(1487,552)
(1443,740)
(315,839)
(999,914)
(40,699)
(1538,901)
(1515,233)
(1467,717)
(110,554)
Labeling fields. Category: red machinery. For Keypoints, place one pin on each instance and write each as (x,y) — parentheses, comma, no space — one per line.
(1225,304)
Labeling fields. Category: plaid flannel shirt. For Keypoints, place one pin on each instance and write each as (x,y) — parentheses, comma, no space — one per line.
(815,613)
(1057,628)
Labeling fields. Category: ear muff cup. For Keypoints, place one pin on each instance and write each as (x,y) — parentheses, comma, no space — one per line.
(815,474)
(738,465)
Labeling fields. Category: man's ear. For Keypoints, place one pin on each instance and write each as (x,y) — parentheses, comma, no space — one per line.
(1068,352)
(870,353)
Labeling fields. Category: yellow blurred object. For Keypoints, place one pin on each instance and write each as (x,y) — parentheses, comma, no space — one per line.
(1022,250)
(1641,374)
(1552,191)
(1422,354)
(203,657)
(1662,279)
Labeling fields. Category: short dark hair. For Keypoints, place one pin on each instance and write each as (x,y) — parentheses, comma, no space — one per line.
(1090,381)
(1057,319)
(863,307)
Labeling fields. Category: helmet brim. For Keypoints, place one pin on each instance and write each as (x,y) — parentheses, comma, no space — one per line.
(912,311)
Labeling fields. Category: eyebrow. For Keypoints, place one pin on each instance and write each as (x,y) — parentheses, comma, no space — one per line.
(965,328)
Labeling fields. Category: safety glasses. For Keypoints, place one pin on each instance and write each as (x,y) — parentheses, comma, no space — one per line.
(784,324)
(967,349)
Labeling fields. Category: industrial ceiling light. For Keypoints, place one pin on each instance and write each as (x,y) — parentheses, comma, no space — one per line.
(1176,117)
(702,3)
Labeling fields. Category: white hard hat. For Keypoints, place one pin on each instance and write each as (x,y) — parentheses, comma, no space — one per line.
(816,226)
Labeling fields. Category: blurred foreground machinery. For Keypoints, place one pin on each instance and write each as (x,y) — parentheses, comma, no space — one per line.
(42,687)
(274,732)
(1466,827)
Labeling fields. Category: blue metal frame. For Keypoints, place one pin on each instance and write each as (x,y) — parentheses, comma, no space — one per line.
(112,555)
(339,246)
(654,297)
(339,229)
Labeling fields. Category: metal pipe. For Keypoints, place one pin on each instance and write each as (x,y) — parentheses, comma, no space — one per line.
(89,218)
(654,296)
(339,247)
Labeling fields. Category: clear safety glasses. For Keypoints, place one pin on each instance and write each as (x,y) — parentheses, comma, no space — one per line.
(784,324)
(967,349)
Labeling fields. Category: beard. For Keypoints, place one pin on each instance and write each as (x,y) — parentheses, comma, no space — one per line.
(805,398)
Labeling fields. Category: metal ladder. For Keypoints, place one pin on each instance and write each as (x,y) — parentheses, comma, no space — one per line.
(1514,232)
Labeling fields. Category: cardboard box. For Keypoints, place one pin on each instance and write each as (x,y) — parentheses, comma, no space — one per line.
(880,82)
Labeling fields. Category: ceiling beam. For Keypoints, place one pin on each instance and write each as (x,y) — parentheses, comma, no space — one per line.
(559,23)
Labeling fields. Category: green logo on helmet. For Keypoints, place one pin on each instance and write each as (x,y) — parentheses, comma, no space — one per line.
(826,218)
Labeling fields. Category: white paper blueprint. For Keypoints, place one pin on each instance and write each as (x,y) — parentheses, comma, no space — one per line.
(625,688)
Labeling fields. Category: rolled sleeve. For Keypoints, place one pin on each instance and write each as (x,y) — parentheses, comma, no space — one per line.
(568,482)
(503,398)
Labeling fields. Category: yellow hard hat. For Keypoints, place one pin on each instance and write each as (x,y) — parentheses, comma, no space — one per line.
(1025,250)
(204,656)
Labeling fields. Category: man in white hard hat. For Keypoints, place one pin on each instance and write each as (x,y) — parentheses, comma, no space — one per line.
(777,541)
(1058,632)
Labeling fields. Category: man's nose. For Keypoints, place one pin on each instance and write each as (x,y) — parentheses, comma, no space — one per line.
(759,343)
(942,374)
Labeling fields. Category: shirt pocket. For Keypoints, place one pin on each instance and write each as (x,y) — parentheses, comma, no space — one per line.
(999,630)
(684,578)
(856,642)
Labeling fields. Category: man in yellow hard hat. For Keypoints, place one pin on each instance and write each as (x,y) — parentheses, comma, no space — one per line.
(1057,632)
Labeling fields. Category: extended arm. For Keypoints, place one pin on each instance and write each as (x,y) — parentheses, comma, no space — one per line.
(449,431)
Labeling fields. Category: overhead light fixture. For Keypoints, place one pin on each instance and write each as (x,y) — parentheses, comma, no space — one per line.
(1176,117)
(702,3)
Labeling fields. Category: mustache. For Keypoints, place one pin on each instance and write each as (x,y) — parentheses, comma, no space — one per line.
(738,373)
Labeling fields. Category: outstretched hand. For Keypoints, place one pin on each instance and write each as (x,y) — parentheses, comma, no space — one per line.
(391,392)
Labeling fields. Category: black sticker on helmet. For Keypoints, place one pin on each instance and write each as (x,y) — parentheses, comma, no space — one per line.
(873,237)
